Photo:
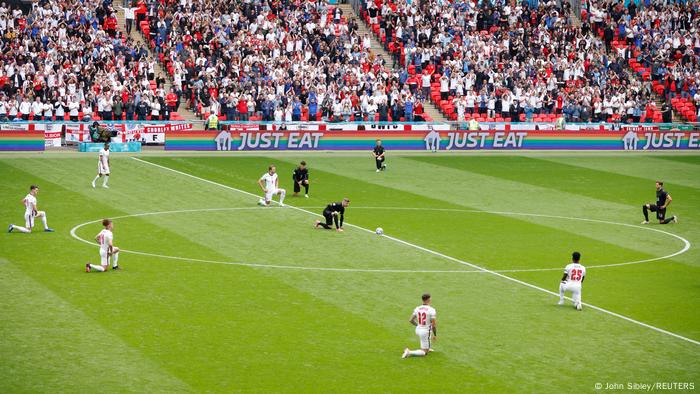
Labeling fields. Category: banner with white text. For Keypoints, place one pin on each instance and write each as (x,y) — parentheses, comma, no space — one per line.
(251,139)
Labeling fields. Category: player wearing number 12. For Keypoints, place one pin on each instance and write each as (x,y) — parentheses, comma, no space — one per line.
(107,249)
(574,275)
(424,318)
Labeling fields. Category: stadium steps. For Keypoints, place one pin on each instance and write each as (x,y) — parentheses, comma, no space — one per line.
(377,48)
(138,38)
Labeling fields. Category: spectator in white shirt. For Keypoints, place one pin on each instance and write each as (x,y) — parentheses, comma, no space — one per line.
(37,109)
(3,110)
(25,108)
(87,111)
(73,109)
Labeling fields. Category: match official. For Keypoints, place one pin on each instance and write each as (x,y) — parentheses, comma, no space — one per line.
(334,213)
(663,199)
(301,178)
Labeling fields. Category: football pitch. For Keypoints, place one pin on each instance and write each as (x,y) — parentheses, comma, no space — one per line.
(219,294)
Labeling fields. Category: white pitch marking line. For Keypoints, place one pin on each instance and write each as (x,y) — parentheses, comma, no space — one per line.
(686,243)
(369,270)
(458,261)
(256,265)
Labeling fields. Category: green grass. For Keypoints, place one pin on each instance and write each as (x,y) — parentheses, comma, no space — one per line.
(205,322)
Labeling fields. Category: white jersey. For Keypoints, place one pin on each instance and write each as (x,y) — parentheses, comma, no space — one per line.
(424,315)
(29,204)
(270,181)
(575,272)
(104,157)
(104,238)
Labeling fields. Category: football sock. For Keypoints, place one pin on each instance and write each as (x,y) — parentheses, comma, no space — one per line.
(669,220)
(324,225)
(21,229)
(97,267)
(416,353)
(43,220)
(561,291)
(306,187)
(115,259)
(106,180)
(96,178)
(646,213)
(282,194)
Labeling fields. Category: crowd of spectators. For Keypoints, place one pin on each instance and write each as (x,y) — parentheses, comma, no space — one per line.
(68,60)
(276,60)
(516,60)
(661,43)
(495,60)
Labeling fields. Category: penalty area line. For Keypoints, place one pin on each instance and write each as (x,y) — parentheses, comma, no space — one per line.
(435,253)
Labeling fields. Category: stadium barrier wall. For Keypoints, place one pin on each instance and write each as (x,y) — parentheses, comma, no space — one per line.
(360,136)
(236,139)
(114,147)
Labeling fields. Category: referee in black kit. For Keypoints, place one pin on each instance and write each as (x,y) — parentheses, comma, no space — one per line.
(331,213)
(378,153)
(301,178)
(662,201)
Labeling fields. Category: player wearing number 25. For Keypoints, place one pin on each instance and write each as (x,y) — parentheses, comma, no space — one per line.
(574,274)
(423,318)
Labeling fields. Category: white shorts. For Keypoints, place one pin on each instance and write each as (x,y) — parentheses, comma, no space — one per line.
(102,169)
(104,257)
(270,193)
(575,289)
(28,220)
(424,335)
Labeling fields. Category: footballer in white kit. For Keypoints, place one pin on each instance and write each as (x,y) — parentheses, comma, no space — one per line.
(107,249)
(424,318)
(574,274)
(31,211)
(103,166)
(269,185)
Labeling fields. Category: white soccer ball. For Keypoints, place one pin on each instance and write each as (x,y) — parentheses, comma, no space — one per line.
(379,231)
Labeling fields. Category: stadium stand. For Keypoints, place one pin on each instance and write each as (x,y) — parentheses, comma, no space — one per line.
(282,61)
(69,60)
(306,60)
(534,60)
(660,43)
